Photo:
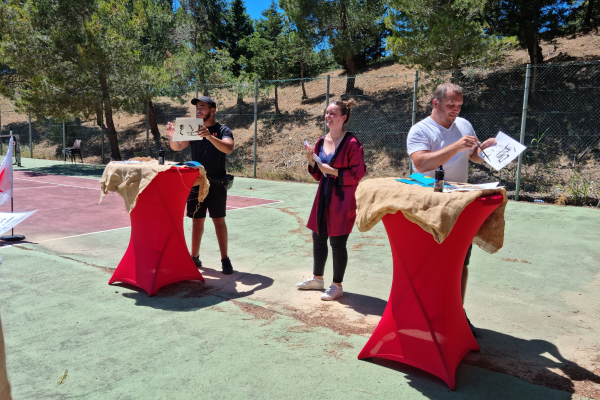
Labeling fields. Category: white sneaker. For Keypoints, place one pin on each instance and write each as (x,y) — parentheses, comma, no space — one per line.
(332,293)
(311,284)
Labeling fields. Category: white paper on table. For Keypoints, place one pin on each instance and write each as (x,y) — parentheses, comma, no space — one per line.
(10,220)
(470,188)
(187,129)
(503,152)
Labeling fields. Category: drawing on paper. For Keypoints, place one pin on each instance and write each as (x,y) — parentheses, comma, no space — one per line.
(503,152)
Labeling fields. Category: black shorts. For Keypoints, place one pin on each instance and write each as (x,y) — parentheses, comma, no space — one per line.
(215,202)
(468,256)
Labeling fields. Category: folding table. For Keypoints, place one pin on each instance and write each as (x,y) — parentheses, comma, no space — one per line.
(424,324)
(157,254)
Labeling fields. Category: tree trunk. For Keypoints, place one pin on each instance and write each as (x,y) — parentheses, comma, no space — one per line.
(587,21)
(350,73)
(350,67)
(534,49)
(110,124)
(153,125)
(99,118)
(304,96)
(276,100)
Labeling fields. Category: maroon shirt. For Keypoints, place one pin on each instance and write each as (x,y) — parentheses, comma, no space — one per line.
(338,205)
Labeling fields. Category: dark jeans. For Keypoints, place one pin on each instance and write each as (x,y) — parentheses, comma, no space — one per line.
(340,255)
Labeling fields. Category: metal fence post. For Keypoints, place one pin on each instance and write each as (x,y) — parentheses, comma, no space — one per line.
(414,114)
(30,139)
(196,89)
(326,102)
(147,128)
(255,121)
(523,123)
(64,142)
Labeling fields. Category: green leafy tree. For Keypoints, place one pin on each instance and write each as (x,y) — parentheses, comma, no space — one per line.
(238,26)
(201,55)
(586,16)
(68,54)
(437,35)
(270,48)
(354,29)
(155,45)
(530,21)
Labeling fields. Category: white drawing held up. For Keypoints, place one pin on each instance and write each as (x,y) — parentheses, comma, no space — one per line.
(503,152)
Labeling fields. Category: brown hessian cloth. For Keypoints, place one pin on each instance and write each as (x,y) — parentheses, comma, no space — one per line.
(435,212)
(129,180)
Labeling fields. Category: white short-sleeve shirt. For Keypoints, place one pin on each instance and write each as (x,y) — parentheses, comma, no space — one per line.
(429,135)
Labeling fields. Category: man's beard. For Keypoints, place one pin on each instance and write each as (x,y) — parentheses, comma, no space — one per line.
(208,117)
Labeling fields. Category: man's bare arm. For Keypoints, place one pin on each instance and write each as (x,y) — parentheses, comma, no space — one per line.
(475,156)
(426,160)
(224,145)
(175,145)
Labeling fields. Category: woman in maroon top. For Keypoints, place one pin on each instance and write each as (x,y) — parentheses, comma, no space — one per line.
(339,168)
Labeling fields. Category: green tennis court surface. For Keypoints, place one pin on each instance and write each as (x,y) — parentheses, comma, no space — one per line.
(252,335)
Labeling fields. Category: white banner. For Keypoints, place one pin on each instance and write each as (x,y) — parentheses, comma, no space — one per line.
(10,220)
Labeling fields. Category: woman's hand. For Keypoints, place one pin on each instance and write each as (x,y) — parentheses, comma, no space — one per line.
(310,150)
(170,130)
(327,169)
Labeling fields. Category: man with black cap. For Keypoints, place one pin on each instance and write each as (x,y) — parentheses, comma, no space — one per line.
(217,142)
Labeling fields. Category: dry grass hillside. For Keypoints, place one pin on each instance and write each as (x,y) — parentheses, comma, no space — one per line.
(279,148)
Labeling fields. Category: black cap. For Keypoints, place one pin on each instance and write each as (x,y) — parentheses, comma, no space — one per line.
(205,99)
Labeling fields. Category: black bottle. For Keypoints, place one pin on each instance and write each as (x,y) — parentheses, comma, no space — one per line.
(161,157)
(438,185)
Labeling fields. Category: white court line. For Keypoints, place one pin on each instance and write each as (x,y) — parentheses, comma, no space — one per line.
(258,205)
(57,184)
(116,229)
(66,237)
(250,197)
(44,174)
(36,187)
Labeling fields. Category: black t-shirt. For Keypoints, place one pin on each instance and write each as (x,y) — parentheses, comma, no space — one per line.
(208,155)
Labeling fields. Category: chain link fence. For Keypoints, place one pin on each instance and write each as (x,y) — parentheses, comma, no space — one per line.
(270,119)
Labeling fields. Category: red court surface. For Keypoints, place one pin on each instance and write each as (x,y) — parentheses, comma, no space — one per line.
(68,206)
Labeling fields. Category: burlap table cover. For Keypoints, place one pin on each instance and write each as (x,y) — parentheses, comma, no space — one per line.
(435,212)
(130,179)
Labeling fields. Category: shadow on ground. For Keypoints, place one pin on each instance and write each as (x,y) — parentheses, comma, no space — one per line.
(176,297)
(471,383)
(67,169)
(365,305)
(534,361)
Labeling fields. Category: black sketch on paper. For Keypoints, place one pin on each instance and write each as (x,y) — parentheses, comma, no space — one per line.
(191,131)
(505,152)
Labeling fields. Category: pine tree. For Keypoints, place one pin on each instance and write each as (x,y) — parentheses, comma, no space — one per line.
(270,48)
(530,21)
(437,35)
(354,29)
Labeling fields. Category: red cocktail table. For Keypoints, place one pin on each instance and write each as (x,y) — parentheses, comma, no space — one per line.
(424,324)
(157,254)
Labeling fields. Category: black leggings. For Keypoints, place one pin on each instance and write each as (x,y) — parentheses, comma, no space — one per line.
(340,255)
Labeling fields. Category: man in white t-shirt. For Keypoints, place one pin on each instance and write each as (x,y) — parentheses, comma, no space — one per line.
(445,139)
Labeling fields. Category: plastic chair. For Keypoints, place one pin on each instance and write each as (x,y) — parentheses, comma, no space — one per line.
(73,151)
